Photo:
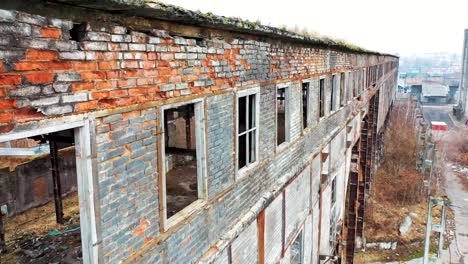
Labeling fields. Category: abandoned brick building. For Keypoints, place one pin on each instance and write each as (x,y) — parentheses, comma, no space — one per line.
(197,138)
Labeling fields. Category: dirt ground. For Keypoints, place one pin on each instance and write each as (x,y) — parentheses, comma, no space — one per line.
(35,237)
(181,187)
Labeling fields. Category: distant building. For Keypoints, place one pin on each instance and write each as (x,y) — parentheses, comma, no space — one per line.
(461,109)
(434,93)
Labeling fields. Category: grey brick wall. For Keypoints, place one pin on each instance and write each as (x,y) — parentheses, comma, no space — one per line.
(220,145)
(128,181)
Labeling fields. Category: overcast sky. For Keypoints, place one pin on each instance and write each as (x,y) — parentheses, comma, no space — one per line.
(396,26)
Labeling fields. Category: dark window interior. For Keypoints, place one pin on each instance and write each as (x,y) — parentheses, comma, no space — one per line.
(322,98)
(247,124)
(342,89)
(180,158)
(281,115)
(332,97)
(305,108)
(296,250)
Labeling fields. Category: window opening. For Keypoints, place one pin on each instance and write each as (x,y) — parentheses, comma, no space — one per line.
(281,116)
(180,158)
(247,130)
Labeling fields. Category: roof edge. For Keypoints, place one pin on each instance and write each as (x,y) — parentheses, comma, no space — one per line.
(161,11)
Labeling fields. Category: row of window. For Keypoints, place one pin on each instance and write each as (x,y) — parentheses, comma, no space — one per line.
(183,171)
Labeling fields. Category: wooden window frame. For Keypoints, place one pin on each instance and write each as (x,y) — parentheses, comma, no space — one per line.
(201,165)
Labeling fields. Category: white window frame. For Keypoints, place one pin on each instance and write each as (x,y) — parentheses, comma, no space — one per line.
(333,186)
(246,93)
(333,93)
(201,164)
(302,240)
(324,98)
(309,104)
(342,99)
(85,179)
(287,95)
(349,87)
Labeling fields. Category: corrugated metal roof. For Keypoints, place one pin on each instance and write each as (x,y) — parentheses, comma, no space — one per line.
(434,89)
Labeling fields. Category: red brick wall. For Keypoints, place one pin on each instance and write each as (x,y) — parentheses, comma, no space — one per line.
(44,73)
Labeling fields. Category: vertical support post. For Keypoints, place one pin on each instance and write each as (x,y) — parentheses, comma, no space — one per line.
(56,181)
(442,230)
(2,235)
(427,240)
(188,131)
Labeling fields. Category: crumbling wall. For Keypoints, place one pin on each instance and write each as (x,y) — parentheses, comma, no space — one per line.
(119,77)
(30,184)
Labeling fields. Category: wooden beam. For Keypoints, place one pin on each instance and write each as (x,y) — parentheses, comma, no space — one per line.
(56,182)
(2,235)
(37,150)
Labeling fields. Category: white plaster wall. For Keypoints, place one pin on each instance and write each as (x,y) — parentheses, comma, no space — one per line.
(223,258)
(297,206)
(315,179)
(307,233)
(245,246)
(325,222)
(315,232)
(274,230)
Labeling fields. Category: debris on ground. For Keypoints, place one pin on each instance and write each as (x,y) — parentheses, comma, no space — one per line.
(35,237)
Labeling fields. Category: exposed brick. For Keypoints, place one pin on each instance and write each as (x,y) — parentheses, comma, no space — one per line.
(16,29)
(10,79)
(7,16)
(25,91)
(68,77)
(45,101)
(73,55)
(97,36)
(108,65)
(61,87)
(39,77)
(44,55)
(7,104)
(6,117)
(89,45)
(84,66)
(53,33)
(73,98)
(42,66)
(93,75)
(86,106)
(82,86)
(57,109)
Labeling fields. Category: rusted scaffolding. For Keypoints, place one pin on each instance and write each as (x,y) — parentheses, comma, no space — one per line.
(369,149)
(352,205)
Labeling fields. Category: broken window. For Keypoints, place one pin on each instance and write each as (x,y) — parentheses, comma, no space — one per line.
(297,254)
(332,97)
(40,210)
(181,156)
(332,213)
(281,116)
(322,98)
(333,192)
(305,104)
(342,89)
(247,132)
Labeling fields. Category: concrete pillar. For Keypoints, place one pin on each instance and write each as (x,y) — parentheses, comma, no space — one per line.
(464,78)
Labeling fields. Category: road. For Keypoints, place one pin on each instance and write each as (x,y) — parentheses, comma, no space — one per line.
(438,113)
(458,251)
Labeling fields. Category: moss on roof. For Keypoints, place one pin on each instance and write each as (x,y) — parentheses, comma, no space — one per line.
(157,10)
